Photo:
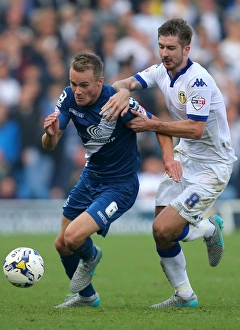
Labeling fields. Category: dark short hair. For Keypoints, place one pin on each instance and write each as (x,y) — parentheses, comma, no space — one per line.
(177,27)
(87,61)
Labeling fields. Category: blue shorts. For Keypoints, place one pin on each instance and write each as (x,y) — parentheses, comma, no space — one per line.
(104,201)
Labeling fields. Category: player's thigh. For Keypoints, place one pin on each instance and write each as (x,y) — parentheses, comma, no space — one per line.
(79,199)
(103,202)
(112,202)
(168,190)
(80,228)
(158,209)
(203,184)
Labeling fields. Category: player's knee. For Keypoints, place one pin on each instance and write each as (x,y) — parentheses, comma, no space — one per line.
(73,241)
(59,245)
(70,242)
(160,233)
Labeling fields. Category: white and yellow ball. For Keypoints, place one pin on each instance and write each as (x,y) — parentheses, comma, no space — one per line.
(23,267)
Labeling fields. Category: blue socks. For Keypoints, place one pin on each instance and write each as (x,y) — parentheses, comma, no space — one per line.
(171,252)
(174,250)
(70,264)
(86,251)
(88,291)
(183,234)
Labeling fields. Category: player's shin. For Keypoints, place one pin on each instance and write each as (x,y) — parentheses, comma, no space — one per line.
(70,264)
(173,264)
(87,250)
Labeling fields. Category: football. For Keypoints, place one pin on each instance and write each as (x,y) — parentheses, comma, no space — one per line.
(23,267)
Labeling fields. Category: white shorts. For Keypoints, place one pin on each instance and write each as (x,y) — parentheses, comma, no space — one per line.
(199,188)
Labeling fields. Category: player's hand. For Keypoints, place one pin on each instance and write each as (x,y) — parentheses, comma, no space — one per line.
(174,169)
(117,104)
(141,123)
(51,124)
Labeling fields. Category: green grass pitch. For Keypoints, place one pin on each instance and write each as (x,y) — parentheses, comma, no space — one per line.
(128,280)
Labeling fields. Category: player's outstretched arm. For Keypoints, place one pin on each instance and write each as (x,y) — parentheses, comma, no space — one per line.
(187,128)
(119,102)
(52,132)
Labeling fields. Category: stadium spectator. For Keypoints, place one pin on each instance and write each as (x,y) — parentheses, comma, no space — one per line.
(67,22)
(210,18)
(145,22)
(8,188)
(112,65)
(9,87)
(35,170)
(232,189)
(186,8)
(105,12)
(10,138)
(135,45)
(222,74)
(152,169)
(229,47)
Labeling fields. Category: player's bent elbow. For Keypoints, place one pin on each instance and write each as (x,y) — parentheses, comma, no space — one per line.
(197,129)
(49,148)
(49,145)
(198,134)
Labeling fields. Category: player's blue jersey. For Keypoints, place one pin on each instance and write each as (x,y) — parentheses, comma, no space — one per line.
(111,147)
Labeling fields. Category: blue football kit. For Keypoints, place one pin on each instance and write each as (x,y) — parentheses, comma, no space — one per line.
(108,185)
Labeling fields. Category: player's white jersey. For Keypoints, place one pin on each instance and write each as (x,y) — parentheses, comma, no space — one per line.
(194,94)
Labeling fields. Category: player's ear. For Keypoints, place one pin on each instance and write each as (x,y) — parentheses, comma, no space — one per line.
(186,50)
(100,81)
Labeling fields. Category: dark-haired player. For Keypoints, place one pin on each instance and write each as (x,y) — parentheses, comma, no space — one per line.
(205,152)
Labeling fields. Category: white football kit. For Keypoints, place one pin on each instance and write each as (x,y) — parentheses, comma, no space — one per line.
(207,162)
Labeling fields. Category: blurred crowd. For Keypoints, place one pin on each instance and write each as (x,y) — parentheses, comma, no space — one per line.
(37,40)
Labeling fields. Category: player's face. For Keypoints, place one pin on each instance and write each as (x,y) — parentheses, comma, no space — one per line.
(85,87)
(173,55)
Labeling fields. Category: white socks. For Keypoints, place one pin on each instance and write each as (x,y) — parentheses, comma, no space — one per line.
(175,267)
(204,229)
(175,271)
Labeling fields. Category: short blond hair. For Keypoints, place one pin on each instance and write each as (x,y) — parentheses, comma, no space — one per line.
(86,61)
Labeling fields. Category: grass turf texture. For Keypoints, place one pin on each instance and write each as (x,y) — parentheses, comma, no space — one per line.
(129,280)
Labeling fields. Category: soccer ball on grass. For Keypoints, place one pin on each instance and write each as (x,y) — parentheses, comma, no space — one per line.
(23,267)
